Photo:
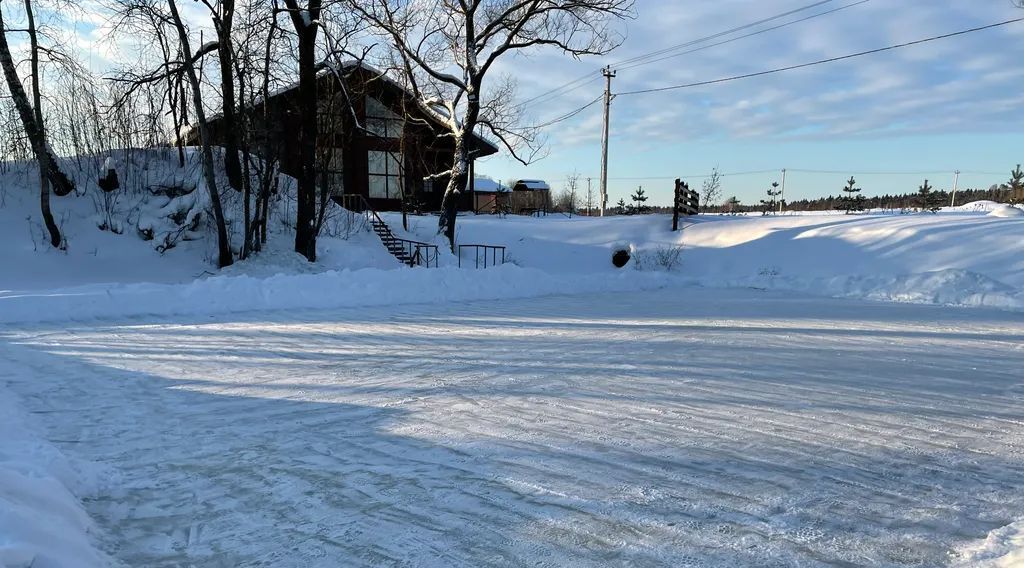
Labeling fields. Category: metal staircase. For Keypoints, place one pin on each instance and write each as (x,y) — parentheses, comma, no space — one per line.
(408,252)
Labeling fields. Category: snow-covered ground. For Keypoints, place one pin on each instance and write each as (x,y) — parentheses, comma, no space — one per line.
(681,427)
(704,406)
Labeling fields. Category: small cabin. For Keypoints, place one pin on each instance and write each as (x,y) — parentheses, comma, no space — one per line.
(530,196)
(490,196)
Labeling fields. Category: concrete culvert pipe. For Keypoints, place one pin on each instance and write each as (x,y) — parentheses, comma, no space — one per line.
(621,253)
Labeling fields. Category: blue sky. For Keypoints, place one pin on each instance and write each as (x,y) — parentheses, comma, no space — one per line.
(938,107)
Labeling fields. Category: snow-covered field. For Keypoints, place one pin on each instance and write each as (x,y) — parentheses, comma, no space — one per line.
(683,427)
(727,399)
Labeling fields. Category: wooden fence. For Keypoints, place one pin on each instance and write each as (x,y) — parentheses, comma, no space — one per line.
(686,202)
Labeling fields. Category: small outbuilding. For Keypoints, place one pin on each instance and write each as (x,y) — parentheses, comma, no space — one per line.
(530,196)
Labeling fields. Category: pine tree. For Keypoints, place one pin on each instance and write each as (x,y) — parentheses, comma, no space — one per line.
(621,206)
(926,199)
(771,204)
(852,200)
(1016,185)
(732,205)
(639,207)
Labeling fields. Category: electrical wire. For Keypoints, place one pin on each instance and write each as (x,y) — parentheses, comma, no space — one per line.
(590,77)
(821,61)
(745,36)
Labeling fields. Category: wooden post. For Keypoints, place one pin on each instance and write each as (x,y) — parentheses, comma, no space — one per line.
(675,206)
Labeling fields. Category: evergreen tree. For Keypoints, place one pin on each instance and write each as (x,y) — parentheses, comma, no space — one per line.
(851,200)
(770,205)
(1016,185)
(639,206)
(621,206)
(732,206)
(927,200)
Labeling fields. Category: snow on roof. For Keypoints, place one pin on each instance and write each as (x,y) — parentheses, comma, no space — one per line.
(487,185)
(533,184)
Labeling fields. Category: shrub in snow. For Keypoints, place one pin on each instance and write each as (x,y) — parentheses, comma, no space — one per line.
(666,258)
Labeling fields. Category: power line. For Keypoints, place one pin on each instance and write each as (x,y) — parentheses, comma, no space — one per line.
(745,36)
(720,34)
(821,61)
(565,116)
(592,76)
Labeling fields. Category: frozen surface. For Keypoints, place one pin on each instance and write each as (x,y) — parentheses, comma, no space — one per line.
(681,427)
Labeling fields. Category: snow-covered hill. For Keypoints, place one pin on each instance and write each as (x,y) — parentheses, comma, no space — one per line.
(963,256)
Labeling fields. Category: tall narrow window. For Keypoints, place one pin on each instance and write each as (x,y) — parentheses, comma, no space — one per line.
(381,120)
(385,169)
(334,171)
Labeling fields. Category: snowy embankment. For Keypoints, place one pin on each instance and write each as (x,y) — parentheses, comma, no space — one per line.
(1004,548)
(964,257)
(42,522)
(334,289)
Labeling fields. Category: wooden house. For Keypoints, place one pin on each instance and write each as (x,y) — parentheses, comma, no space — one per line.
(374,139)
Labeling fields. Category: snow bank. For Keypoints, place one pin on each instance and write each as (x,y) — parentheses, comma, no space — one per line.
(1004,548)
(1006,211)
(950,287)
(346,288)
(42,523)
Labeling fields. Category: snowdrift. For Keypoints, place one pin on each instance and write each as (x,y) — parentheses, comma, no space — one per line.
(334,289)
(1004,548)
(42,522)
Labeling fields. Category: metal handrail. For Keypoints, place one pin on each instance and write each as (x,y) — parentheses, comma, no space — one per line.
(419,253)
(492,249)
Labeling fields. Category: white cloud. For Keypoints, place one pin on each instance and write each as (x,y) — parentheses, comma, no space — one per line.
(904,91)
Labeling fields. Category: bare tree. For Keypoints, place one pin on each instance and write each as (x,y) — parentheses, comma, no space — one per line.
(306,23)
(225,256)
(569,200)
(31,115)
(711,190)
(447,49)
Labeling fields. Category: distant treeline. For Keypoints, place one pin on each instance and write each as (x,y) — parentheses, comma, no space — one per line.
(905,201)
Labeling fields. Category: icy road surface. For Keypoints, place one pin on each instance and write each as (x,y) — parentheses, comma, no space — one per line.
(672,428)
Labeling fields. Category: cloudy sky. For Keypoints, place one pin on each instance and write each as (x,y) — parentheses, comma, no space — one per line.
(929,109)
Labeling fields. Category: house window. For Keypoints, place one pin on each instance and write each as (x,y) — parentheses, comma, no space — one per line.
(381,120)
(385,173)
(428,186)
(333,171)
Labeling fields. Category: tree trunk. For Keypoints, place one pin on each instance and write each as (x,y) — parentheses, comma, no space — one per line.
(450,201)
(460,168)
(62,185)
(232,166)
(225,257)
(305,222)
(44,182)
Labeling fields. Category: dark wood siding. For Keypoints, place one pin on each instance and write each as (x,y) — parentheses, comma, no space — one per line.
(424,150)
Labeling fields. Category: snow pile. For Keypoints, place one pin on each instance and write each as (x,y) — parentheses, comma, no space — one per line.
(950,287)
(1006,211)
(981,206)
(335,289)
(42,523)
(1004,548)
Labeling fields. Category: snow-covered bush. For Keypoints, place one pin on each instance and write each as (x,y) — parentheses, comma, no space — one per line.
(666,258)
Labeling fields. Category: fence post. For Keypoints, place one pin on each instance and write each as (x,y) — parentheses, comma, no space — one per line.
(675,207)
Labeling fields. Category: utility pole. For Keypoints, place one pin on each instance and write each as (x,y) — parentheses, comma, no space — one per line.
(590,203)
(608,74)
(956,181)
(782,196)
